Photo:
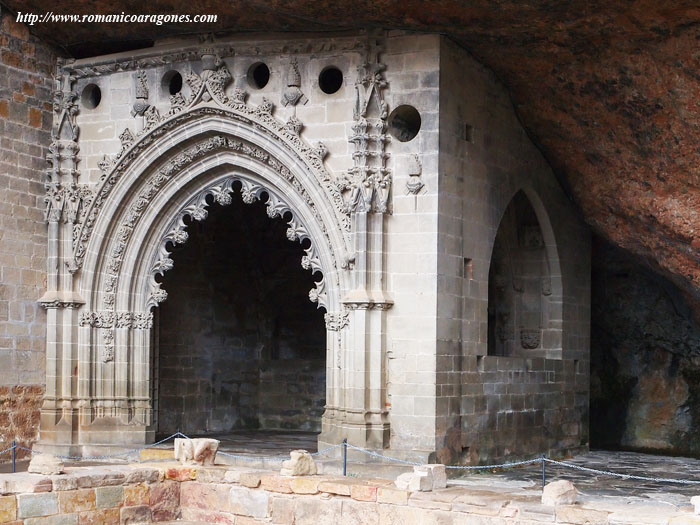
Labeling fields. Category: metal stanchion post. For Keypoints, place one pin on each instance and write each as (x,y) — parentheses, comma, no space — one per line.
(543,473)
(14,447)
(345,457)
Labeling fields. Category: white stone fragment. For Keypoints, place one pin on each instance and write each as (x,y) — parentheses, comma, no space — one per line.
(45,464)
(199,451)
(438,473)
(560,492)
(416,481)
(300,464)
(695,501)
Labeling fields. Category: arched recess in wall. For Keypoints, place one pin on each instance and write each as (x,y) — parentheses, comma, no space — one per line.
(208,155)
(525,286)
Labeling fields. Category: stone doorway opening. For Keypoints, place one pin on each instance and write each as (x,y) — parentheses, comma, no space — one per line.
(238,344)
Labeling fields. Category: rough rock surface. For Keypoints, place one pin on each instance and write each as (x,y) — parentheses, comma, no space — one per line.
(607,89)
(300,464)
(561,492)
(645,359)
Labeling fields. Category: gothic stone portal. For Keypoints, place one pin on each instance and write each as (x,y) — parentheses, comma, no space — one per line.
(389,159)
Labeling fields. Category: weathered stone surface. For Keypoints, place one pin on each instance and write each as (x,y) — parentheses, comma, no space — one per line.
(339,486)
(60,519)
(33,505)
(205,496)
(200,451)
(181,473)
(99,517)
(205,516)
(138,514)
(359,513)
(364,492)
(276,484)
(282,509)
(8,508)
(305,485)
(45,464)
(312,511)
(164,500)
(391,495)
(250,479)
(300,464)
(437,473)
(580,515)
(561,492)
(151,454)
(135,495)
(23,482)
(106,497)
(76,500)
(415,481)
(249,502)
(695,501)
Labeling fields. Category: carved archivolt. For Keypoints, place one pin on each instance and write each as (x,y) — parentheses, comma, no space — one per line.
(196,208)
(259,117)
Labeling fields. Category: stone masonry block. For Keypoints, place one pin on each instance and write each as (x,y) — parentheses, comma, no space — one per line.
(32,505)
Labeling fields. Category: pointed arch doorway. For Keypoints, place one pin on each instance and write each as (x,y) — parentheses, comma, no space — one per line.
(239,346)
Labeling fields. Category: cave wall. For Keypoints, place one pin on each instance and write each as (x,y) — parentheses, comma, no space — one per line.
(240,344)
(645,359)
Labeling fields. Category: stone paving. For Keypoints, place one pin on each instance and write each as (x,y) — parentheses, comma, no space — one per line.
(601,489)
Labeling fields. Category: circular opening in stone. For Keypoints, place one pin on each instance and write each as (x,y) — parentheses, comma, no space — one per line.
(258,75)
(404,123)
(330,80)
(91,96)
(172,82)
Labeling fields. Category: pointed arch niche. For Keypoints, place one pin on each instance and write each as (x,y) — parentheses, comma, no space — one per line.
(525,289)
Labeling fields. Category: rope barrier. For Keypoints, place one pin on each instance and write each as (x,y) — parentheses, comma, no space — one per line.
(543,460)
(623,476)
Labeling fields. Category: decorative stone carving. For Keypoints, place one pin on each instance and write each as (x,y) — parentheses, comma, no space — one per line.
(546,286)
(200,451)
(530,339)
(101,67)
(335,322)
(293,94)
(213,80)
(531,237)
(414,183)
(141,104)
(105,319)
(368,183)
(196,208)
(301,463)
(262,119)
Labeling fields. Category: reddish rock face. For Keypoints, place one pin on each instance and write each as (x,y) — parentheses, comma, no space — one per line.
(609,90)
(19,416)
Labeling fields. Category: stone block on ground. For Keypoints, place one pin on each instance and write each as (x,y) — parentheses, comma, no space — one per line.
(301,463)
(199,451)
(560,492)
(424,477)
(438,472)
(695,501)
(415,481)
(45,464)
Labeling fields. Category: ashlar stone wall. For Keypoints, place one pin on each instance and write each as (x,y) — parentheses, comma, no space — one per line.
(26,66)
(491,407)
